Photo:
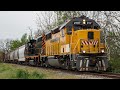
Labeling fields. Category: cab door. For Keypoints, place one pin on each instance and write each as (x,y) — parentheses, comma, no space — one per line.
(92,42)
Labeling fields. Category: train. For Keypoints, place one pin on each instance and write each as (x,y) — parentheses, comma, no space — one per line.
(77,44)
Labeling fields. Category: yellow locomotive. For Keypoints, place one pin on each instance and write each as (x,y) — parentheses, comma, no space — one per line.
(76,44)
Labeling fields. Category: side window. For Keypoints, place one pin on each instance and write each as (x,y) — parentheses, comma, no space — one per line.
(48,36)
(39,39)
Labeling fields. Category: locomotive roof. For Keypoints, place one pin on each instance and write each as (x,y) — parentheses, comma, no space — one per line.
(78,19)
(48,33)
(55,30)
(70,23)
(64,24)
(39,37)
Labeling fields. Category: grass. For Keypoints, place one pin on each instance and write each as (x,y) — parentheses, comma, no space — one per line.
(10,71)
(24,74)
(15,71)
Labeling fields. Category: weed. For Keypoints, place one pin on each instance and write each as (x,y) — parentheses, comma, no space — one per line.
(22,74)
(36,75)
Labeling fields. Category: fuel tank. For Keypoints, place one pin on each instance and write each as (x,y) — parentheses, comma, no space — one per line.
(54,61)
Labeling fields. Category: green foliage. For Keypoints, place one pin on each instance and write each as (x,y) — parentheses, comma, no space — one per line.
(24,39)
(29,38)
(114,45)
(24,74)
(62,16)
(114,65)
(12,72)
(17,43)
(36,75)
(2,69)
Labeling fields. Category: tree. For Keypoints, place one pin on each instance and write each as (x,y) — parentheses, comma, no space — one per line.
(5,45)
(62,16)
(45,21)
(31,34)
(17,43)
(24,39)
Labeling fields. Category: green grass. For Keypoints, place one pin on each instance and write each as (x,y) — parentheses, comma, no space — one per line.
(114,65)
(36,75)
(24,74)
(15,71)
(8,71)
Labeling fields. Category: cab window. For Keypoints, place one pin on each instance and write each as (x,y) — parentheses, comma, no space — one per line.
(90,35)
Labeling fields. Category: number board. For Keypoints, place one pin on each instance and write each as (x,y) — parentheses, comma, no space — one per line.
(89,22)
(77,23)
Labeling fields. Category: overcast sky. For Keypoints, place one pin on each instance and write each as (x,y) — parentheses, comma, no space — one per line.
(13,24)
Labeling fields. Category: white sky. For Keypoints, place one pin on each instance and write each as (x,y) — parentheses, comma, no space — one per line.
(13,24)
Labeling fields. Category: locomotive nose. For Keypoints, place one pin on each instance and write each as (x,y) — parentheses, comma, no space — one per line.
(91,43)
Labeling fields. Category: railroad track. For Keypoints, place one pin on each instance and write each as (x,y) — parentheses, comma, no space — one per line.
(109,75)
(75,72)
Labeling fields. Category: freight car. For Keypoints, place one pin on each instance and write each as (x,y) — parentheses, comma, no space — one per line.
(76,44)
(16,56)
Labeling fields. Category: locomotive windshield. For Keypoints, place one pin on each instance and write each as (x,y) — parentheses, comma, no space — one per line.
(80,23)
(84,25)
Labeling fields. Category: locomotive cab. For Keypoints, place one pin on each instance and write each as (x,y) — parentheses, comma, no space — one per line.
(83,36)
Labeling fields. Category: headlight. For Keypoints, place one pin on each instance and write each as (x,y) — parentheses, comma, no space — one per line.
(102,51)
(84,21)
(83,51)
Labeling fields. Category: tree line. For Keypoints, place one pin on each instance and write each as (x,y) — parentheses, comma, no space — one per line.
(9,45)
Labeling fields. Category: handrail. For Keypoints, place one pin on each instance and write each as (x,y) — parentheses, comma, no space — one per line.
(76,45)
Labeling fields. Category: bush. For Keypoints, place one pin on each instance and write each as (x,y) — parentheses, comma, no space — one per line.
(21,74)
(36,75)
(114,65)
